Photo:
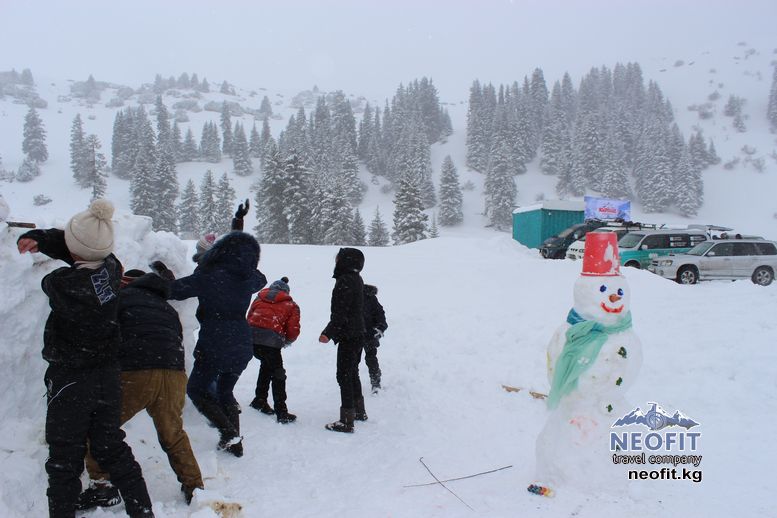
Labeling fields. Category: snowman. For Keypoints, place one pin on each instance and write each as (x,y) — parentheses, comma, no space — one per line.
(592,360)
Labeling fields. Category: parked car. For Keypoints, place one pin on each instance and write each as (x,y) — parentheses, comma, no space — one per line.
(754,259)
(637,249)
(577,249)
(556,247)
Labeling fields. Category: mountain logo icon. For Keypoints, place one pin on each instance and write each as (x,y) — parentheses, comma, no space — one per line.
(656,418)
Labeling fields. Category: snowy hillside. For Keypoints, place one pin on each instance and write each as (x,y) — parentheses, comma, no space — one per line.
(466,315)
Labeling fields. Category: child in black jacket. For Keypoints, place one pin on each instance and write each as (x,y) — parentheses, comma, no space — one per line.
(80,343)
(375,323)
(346,328)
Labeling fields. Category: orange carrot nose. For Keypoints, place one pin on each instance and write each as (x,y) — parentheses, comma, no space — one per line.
(614,298)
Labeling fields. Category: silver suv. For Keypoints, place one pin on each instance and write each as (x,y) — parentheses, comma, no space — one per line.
(754,259)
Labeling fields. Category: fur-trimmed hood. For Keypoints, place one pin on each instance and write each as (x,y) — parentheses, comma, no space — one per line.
(236,252)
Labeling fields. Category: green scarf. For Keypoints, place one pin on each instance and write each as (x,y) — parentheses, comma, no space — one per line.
(584,341)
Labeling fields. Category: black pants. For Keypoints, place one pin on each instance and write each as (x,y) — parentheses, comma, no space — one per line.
(348,354)
(85,404)
(210,390)
(371,359)
(271,372)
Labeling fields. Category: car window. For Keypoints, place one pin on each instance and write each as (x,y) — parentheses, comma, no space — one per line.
(722,250)
(630,240)
(697,238)
(656,241)
(700,248)
(744,249)
(766,248)
(679,241)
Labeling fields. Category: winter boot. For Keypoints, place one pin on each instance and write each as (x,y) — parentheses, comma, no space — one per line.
(282,412)
(98,494)
(188,493)
(345,424)
(233,414)
(360,414)
(233,445)
(262,406)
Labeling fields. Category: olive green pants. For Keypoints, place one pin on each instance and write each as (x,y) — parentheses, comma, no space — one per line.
(161,393)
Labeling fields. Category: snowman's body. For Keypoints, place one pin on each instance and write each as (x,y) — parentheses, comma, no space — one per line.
(573,448)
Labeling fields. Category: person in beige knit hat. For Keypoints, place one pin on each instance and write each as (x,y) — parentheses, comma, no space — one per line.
(80,343)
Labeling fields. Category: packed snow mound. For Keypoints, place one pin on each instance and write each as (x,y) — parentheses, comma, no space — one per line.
(4,209)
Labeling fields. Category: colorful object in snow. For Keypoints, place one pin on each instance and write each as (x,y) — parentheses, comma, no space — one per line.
(601,255)
(540,490)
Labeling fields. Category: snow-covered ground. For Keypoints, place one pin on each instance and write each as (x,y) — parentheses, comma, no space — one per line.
(466,315)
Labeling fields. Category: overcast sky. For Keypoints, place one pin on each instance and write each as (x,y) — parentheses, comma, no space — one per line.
(364,46)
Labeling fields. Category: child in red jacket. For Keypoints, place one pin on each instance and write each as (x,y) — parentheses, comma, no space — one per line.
(274,321)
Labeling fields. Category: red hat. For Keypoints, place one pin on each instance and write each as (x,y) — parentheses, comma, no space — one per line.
(601,254)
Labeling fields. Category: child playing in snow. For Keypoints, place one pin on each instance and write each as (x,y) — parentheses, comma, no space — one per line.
(80,343)
(346,328)
(274,321)
(375,323)
(153,379)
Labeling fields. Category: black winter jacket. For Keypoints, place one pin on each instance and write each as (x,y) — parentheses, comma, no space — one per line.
(82,330)
(374,316)
(151,334)
(347,308)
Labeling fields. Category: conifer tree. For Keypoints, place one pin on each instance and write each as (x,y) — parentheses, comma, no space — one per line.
(366,127)
(688,186)
(164,134)
(712,155)
(208,213)
(265,108)
(358,233)
(241,156)
(189,225)
(78,151)
(433,230)
(142,180)
(255,143)
(34,143)
(210,146)
(349,172)
(28,170)
(409,218)
(378,233)
(165,187)
(297,199)
(224,204)
(94,167)
(771,110)
(204,86)
(272,226)
(177,143)
(189,151)
(226,129)
(194,82)
(451,199)
(500,189)
(264,139)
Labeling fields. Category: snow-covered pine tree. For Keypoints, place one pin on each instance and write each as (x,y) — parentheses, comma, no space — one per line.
(77,150)
(94,167)
(34,143)
(588,152)
(688,186)
(366,126)
(226,89)
(194,82)
(208,213)
(343,123)
(378,233)
(226,128)
(210,146)
(697,151)
(265,108)
(653,168)
(189,151)
(189,226)
(143,186)
(771,110)
(712,155)
(322,155)
(358,233)
(225,205)
(177,143)
(241,156)
(164,134)
(255,143)
(165,188)
(614,182)
(297,199)
(265,137)
(450,194)
(336,218)
(272,226)
(500,188)
(183,81)
(349,172)
(204,86)
(28,170)
(409,218)
(433,230)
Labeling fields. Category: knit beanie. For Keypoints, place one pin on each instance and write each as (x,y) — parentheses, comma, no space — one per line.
(281,285)
(89,234)
(204,244)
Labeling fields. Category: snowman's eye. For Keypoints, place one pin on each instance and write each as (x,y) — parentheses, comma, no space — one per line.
(620,292)
(602,288)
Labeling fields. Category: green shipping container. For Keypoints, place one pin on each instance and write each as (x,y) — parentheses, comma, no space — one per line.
(533,224)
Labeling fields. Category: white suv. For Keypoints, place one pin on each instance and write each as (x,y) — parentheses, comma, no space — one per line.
(754,259)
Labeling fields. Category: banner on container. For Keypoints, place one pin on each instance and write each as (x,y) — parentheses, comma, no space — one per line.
(604,208)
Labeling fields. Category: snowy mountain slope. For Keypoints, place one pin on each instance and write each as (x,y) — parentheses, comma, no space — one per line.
(466,314)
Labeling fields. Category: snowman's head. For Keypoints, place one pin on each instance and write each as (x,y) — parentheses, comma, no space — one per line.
(602,299)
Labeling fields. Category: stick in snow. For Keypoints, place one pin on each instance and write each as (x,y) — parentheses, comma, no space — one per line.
(421,460)
(461,478)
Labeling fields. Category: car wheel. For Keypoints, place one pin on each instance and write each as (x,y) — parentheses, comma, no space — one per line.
(687,275)
(763,276)
(633,264)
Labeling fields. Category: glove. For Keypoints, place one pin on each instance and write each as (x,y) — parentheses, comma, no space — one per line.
(242,210)
(162,270)
(378,334)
